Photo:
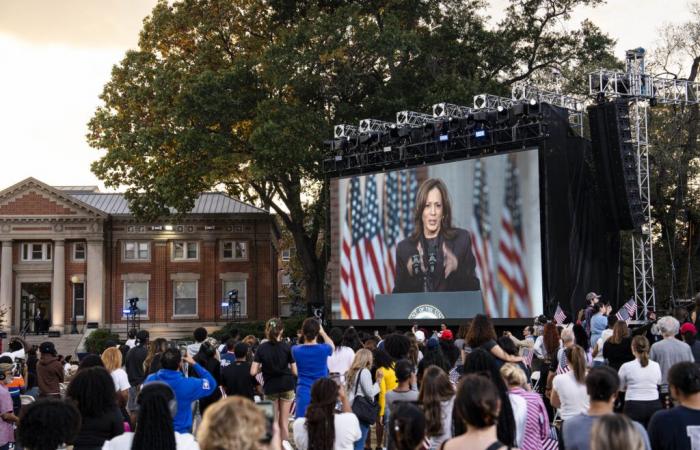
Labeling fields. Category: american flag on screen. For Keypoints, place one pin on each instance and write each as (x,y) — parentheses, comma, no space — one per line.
(628,311)
(354,293)
(392,226)
(374,244)
(511,249)
(559,315)
(481,239)
(372,227)
(409,188)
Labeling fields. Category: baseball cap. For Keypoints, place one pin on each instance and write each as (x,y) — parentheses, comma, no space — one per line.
(446,335)
(432,342)
(688,327)
(47,347)
(591,295)
(420,336)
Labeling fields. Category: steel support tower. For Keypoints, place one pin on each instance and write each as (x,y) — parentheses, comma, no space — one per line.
(642,90)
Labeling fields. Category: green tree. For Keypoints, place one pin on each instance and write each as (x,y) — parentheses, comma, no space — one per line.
(675,165)
(239,94)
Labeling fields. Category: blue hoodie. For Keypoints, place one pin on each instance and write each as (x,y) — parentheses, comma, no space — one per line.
(186,390)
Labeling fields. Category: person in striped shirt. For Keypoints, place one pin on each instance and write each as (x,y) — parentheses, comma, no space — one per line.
(536,429)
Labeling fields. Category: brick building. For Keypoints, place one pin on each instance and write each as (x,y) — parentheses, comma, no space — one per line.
(75,252)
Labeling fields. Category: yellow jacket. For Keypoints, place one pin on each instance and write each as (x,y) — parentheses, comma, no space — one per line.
(387,384)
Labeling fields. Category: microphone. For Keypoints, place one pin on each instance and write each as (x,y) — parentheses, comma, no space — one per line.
(416,264)
(432,258)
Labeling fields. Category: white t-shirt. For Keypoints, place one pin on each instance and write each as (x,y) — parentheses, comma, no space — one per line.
(601,342)
(640,383)
(347,431)
(519,405)
(131,343)
(572,394)
(340,361)
(123,442)
(121,380)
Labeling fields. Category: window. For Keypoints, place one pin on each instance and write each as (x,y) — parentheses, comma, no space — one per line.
(36,251)
(79,300)
(286,254)
(240,285)
(185,250)
(185,298)
(136,251)
(79,251)
(286,280)
(234,250)
(137,289)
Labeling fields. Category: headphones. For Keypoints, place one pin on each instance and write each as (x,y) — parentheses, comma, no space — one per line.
(172,403)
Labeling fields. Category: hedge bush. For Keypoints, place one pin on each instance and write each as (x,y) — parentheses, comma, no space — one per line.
(97,341)
(257,328)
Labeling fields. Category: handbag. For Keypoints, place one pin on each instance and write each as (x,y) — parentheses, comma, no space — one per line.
(365,409)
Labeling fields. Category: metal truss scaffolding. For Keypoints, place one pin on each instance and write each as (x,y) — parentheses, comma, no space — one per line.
(642,90)
(525,92)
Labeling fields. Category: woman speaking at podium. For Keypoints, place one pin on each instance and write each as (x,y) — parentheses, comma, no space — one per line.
(436,257)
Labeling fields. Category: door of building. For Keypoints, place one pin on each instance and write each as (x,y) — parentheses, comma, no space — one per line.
(35,308)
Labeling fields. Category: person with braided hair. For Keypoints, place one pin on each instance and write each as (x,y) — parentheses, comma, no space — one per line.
(322,428)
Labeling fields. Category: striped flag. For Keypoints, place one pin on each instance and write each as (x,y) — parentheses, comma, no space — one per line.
(374,245)
(355,293)
(628,311)
(527,355)
(481,239)
(559,315)
(392,227)
(511,248)
(409,189)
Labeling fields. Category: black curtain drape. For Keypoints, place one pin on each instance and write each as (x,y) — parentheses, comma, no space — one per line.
(580,253)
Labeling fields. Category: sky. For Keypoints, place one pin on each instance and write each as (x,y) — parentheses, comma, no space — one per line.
(56,55)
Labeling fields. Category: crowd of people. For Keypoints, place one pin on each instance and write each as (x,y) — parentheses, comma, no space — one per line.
(593,384)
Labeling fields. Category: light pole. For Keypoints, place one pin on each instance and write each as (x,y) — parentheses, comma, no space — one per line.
(74,321)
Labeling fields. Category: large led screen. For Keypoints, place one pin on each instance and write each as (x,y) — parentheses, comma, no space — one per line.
(462,226)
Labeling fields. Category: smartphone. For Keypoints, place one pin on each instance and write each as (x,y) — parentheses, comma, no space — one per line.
(335,376)
(269,412)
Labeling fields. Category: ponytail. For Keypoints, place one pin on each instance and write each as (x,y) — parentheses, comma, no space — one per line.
(577,361)
(640,345)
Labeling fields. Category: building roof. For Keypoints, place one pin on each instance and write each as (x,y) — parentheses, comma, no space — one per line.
(206,203)
(78,189)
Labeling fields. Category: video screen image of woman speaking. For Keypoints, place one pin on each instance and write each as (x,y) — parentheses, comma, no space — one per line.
(470,225)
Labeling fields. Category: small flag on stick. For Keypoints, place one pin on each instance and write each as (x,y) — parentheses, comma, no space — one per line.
(559,315)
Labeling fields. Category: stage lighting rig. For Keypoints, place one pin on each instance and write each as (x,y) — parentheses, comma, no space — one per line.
(344,131)
(368,125)
(491,102)
(414,119)
(450,110)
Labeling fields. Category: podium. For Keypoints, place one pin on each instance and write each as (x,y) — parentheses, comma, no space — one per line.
(428,305)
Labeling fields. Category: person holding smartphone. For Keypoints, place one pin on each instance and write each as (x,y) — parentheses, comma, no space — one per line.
(311,361)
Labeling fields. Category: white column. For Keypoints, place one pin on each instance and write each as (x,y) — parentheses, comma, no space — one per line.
(95,282)
(58,286)
(6,281)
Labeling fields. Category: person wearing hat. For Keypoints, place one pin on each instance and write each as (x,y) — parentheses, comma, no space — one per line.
(689,335)
(591,299)
(49,370)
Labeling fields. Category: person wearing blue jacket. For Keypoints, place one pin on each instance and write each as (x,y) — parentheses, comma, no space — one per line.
(187,390)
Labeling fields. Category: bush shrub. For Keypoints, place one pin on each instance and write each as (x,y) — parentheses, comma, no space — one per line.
(97,341)
(257,328)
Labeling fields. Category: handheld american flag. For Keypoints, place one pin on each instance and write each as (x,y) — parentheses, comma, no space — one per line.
(559,315)
(627,312)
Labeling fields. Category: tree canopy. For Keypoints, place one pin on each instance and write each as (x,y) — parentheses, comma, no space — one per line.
(240,94)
